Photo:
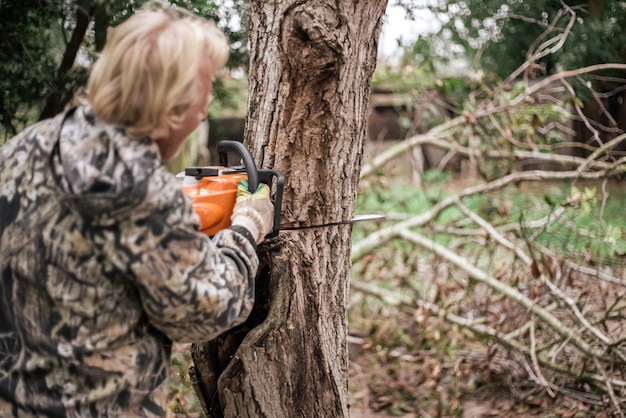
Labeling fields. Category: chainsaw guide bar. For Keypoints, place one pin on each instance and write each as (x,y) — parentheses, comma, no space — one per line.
(355,219)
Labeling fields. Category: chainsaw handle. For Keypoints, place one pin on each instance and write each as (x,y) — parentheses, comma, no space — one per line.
(248,162)
(276,180)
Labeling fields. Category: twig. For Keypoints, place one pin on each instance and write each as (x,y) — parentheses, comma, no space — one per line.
(609,387)
(600,150)
(572,305)
(533,356)
(597,272)
(494,233)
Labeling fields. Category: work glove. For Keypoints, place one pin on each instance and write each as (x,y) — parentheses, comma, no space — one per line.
(254,211)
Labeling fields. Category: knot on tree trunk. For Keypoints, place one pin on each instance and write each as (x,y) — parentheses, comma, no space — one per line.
(310,38)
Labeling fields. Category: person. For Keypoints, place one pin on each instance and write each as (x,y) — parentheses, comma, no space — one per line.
(102,266)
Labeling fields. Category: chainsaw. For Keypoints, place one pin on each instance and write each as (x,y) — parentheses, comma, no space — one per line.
(213,189)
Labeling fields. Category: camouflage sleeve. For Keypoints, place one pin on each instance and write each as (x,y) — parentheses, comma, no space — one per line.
(191,287)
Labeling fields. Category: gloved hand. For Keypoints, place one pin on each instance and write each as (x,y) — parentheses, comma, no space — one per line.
(255,212)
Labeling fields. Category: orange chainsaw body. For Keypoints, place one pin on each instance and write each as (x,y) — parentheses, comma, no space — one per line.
(213,190)
(213,200)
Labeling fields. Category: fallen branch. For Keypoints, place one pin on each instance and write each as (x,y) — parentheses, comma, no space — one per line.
(403,300)
(375,239)
(437,139)
(477,274)
(440,135)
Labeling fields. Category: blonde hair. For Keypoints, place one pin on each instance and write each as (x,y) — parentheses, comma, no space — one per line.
(147,74)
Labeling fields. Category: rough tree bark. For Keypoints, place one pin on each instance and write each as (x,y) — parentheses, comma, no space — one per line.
(311,67)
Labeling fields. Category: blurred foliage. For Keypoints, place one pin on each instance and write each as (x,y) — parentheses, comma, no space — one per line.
(480,42)
(589,229)
(232,99)
(496,35)
(28,58)
(46,48)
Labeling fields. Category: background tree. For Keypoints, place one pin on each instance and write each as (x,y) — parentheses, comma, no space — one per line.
(27,58)
(310,73)
(497,37)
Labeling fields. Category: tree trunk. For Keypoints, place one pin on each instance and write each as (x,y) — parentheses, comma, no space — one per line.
(63,88)
(311,68)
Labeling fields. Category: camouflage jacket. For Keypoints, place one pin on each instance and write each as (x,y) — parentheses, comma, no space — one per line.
(101,267)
